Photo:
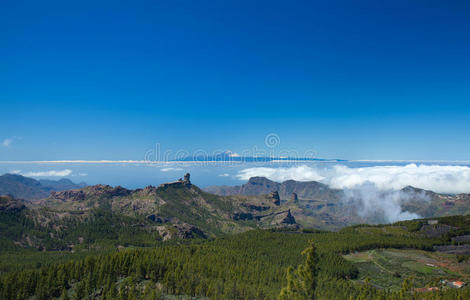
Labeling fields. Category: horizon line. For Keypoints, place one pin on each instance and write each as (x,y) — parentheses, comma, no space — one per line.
(105,161)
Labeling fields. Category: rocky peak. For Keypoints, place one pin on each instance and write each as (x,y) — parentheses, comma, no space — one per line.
(180,182)
(276,199)
(288,219)
(186,180)
(283,218)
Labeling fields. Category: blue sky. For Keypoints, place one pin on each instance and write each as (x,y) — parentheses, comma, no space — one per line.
(346,79)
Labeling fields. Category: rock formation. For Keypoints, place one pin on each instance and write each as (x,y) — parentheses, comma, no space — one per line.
(73,195)
(284,218)
(186,180)
(98,191)
(10,204)
(242,216)
(294,198)
(288,219)
(180,182)
(275,196)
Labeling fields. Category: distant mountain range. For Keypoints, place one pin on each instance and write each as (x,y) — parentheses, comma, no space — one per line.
(234,157)
(179,210)
(262,185)
(27,188)
(333,207)
(175,210)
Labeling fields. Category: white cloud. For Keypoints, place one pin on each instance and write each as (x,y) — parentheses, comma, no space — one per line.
(441,179)
(224,175)
(171,169)
(438,178)
(7,142)
(375,192)
(50,173)
(379,206)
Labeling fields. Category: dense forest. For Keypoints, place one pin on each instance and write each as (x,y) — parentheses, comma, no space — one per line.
(252,265)
(118,257)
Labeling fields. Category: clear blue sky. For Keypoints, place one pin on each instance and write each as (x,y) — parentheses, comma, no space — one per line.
(348,79)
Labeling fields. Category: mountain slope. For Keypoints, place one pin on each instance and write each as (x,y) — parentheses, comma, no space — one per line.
(180,210)
(105,215)
(316,204)
(31,189)
(262,185)
(178,202)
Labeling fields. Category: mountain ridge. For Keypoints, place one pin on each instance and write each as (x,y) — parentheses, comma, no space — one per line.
(176,210)
(334,204)
(261,185)
(30,189)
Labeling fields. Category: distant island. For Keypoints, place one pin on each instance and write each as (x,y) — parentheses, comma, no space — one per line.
(229,156)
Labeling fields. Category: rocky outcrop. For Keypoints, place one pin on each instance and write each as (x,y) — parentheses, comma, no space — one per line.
(147,191)
(95,191)
(242,216)
(118,191)
(284,218)
(294,198)
(275,198)
(73,195)
(255,207)
(288,219)
(180,231)
(186,179)
(186,182)
(158,219)
(187,231)
(10,204)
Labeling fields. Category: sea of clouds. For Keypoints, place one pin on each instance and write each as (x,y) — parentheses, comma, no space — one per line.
(375,191)
(437,178)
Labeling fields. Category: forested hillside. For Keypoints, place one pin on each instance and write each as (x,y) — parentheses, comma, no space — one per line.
(251,265)
(103,242)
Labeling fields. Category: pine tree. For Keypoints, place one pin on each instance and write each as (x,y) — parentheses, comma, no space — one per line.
(301,283)
(64,295)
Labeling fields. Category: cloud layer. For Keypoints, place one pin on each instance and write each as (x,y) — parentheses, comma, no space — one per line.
(379,206)
(441,179)
(375,192)
(171,169)
(50,173)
